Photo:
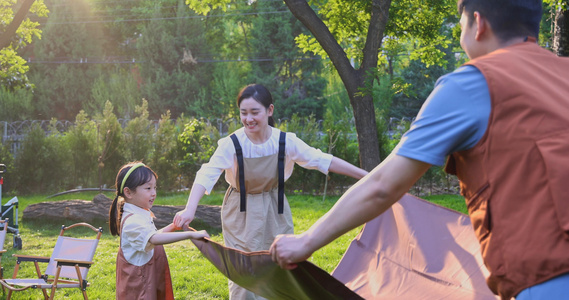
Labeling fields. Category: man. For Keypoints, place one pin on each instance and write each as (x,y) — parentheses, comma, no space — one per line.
(504,120)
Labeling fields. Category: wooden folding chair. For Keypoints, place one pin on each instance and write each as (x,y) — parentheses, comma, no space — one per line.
(67,266)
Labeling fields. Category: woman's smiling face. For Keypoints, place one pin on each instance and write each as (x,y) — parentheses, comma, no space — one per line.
(254,116)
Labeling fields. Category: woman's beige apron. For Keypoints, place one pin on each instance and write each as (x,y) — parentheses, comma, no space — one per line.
(151,281)
(255,228)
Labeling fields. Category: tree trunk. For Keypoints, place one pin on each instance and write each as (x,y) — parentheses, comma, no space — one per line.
(97,212)
(366,128)
(358,83)
(561,32)
(7,35)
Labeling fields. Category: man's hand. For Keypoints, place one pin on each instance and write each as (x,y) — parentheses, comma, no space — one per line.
(289,249)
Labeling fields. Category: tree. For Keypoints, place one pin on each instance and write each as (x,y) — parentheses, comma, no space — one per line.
(561,27)
(173,80)
(292,77)
(260,35)
(17,31)
(64,83)
(350,34)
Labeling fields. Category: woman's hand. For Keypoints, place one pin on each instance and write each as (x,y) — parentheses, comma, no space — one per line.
(184,217)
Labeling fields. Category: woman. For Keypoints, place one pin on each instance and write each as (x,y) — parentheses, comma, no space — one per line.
(257,159)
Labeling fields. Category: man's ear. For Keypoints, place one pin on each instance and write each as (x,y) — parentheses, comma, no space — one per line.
(482,25)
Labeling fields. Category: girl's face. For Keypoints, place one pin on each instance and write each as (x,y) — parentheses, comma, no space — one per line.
(254,116)
(143,196)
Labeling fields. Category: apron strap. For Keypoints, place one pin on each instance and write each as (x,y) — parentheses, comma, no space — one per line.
(239,153)
(122,223)
(282,143)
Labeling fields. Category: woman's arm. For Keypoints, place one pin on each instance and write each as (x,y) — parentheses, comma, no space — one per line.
(186,216)
(340,166)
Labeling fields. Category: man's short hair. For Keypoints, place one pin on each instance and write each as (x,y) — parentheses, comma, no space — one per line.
(508,18)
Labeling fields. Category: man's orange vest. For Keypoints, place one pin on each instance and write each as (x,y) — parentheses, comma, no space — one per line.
(516,179)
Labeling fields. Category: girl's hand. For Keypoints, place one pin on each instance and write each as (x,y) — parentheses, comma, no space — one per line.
(200,234)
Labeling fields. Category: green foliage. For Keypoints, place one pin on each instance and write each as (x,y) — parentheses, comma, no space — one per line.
(12,67)
(204,7)
(62,89)
(341,138)
(81,139)
(42,163)
(173,78)
(225,87)
(414,21)
(15,105)
(308,130)
(294,83)
(110,141)
(13,70)
(119,88)
(167,154)
(414,84)
(557,4)
(347,20)
(199,140)
(138,135)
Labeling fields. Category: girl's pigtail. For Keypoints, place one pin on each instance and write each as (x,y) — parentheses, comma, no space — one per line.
(113,218)
(120,204)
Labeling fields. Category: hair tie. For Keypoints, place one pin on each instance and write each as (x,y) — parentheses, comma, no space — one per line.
(128,173)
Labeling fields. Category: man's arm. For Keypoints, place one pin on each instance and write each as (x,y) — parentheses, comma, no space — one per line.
(367,199)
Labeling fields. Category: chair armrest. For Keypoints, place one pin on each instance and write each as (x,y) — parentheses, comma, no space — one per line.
(21,258)
(72,262)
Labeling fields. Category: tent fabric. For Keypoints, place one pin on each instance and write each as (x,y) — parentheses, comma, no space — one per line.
(415,250)
(257,272)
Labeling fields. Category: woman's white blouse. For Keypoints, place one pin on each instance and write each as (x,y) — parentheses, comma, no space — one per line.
(136,232)
(296,151)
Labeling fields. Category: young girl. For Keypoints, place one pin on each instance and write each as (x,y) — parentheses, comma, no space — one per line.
(257,160)
(142,265)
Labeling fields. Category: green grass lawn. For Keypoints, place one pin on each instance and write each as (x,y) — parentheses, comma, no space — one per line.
(193,276)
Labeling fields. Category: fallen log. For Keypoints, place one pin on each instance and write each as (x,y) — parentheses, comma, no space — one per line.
(97,211)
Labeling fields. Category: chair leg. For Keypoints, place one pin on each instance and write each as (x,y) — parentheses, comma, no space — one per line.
(54,284)
(80,279)
(45,295)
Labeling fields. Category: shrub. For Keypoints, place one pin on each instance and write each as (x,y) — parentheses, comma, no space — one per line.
(164,160)
(138,135)
(199,140)
(308,130)
(110,141)
(342,142)
(42,163)
(81,139)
